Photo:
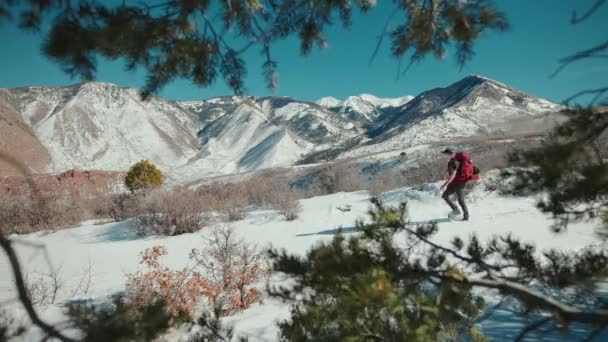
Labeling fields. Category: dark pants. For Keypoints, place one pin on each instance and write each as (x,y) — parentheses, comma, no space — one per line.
(458,189)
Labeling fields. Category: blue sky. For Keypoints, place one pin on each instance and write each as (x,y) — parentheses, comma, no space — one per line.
(523,57)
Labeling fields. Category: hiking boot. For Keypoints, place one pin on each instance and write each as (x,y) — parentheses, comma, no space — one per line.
(454,213)
(465,217)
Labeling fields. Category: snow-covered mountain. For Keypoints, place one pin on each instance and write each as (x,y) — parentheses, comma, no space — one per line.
(102,126)
(328,102)
(105,127)
(473,106)
(263,133)
(364,108)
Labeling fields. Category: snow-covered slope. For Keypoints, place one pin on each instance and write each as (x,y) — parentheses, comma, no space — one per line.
(311,122)
(244,140)
(364,108)
(105,127)
(18,139)
(386,102)
(113,250)
(102,126)
(328,102)
(471,107)
(264,133)
(332,102)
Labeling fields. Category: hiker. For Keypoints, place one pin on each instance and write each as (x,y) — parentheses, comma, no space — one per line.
(460,171)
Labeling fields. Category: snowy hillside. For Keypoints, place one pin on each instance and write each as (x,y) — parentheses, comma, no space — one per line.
(102,126)
(113,250)
(332,102)
(474,106)
(242,141)
(328,102)
(364,108)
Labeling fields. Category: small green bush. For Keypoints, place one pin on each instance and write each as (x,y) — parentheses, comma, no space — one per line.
(143,175)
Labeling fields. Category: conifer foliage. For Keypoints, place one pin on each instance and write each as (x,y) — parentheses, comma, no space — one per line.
(204,40)
(394,283)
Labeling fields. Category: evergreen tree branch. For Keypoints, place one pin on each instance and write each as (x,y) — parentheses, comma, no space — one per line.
(591,11)
(597,94)
(564,311)
(584,54)
(594,333)
(531,327)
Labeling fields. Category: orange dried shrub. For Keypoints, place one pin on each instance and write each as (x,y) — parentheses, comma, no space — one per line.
(231,268)
(179,290)
(229,271)
(243,295)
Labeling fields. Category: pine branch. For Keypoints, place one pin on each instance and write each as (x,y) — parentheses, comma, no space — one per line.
(596,92)
(531,327)
(455,254)
(566,312)
(594,333)
(584,54)
(596,6)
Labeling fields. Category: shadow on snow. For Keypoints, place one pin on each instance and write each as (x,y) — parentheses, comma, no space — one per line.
(347,230)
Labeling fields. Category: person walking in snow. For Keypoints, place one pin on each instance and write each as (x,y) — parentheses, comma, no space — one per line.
(460,171)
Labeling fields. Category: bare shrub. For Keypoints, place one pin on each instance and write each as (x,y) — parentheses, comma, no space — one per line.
(85,282)
(44,288)
(385,181)
(124,206)
(286,204)
(14,215)
(336,177)
(233,208)
(51,211)
(259,190)
(430,169)
(22,213)
(231,266)
(8,328)
(229,199)
(172,212)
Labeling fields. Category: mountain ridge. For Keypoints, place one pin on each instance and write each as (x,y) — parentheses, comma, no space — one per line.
(99,125)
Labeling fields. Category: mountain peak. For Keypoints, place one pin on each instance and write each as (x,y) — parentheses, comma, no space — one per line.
(478,79)
(328,101)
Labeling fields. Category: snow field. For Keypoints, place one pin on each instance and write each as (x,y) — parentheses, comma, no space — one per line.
(113,249)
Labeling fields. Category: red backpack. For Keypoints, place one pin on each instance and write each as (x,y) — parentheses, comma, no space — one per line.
(465,170)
